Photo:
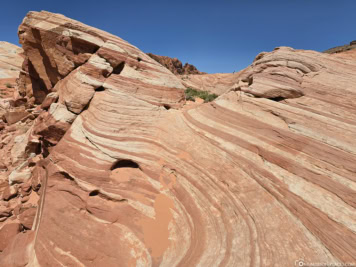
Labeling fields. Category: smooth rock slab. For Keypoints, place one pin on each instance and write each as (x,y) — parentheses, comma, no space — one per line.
(7,233)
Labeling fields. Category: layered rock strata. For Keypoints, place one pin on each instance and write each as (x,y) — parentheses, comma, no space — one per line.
(125,173)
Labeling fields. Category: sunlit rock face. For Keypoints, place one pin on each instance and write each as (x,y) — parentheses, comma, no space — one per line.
(132,176)
(10,66)
(10,60)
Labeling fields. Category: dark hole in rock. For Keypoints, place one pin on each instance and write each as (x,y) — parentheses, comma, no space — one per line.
(139,59)
(167,106)
(125,163)
(106,73)
(94,193)
(250,80)
(100,89)
(277,99)
(66,176)
(38,148)
(80,46)
(31,164)
(118,69)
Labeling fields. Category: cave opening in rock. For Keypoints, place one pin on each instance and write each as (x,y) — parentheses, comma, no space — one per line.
(125,163)
(277,99)
(166,106)
(118,69)
(100,89)
(94,193)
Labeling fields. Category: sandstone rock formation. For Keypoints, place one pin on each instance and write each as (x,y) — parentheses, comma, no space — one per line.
(343,48)
(217,83)
(175,65)
(10,60)
(123,173)
(191,77)
(10,65)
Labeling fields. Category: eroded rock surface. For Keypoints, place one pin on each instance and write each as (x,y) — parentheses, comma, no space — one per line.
(342,49)
(175,65)
(126,173)
(217,83)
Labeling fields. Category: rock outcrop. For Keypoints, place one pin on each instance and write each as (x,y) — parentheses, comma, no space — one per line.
(123,172)
(175,65)
(191,77)
(342,48)
(217,83)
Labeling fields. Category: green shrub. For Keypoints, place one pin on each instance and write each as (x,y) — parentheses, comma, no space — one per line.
(8,85)
(191,94)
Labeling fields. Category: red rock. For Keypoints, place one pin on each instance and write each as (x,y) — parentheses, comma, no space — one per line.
(26,187)
(18,251)
(19,102)
(49,100)
(25,199)
(17,209)
(263,175)
(27,217)
(5,212)
(15,116)
(7,233)
(10,192)
(175,65)
(217,83)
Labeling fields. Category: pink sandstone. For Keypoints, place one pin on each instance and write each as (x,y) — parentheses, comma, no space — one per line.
(124,172)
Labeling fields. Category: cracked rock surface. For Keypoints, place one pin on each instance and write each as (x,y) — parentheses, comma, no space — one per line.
(114,166)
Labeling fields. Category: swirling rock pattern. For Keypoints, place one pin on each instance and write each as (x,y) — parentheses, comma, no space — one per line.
(263,176)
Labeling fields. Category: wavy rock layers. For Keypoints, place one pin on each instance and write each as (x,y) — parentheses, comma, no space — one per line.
(10,60)
(217,83)
(73,62)
(263,176)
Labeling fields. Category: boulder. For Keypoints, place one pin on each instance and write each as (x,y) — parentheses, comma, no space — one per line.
(14,116)
(9,193)
(19,176)
(49,100)
(5,212)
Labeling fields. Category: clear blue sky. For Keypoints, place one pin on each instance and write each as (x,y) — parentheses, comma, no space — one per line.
(213,35)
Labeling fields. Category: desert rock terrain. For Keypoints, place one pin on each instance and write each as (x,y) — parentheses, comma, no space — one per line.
(103,163)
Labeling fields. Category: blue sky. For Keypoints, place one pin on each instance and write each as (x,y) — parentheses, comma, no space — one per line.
(215,36)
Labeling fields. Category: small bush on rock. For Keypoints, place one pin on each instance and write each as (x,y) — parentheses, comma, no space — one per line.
(191,94)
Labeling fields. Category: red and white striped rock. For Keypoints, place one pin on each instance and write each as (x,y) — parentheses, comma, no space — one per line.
(262,176)
(217,83)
